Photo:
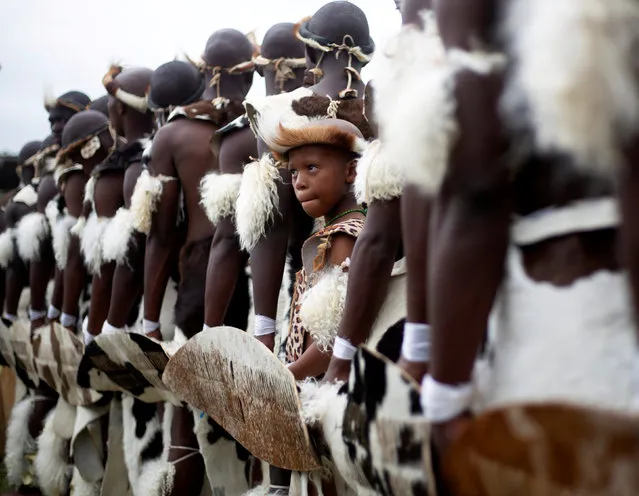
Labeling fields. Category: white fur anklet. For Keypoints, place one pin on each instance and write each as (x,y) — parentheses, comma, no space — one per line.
(148,326)
(343,350)
(111,329)
(68,320)
(53,313)
(264,326)
(36,314)
(416,342)
(442,402)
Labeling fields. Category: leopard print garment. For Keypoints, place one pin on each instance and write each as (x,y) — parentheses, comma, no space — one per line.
(297,334)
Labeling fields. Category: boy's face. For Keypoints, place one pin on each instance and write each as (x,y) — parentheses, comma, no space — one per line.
(321,176)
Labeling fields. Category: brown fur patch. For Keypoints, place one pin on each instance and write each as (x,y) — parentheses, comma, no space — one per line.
(314,135)
(351,110)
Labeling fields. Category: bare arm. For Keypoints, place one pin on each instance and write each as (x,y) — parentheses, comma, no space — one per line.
(373,257)
(41,271)
(159,243)
(74,271)
(226,258)
(128,280)
(313,361)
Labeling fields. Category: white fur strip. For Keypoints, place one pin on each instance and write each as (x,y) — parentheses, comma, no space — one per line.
(322,306)
(61,237)
(7,248)
(266,114)
(52,460)
(219,195)
(146,195)
(26,195)
(19,441)
(418,129)
(587,100)
(257,201)
(225,471)
(89,191)
(31,231)
(379,178)
(146,476)
(117,236)
(91,242)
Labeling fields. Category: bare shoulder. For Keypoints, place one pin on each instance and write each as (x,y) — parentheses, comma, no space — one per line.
(342,246)
(47,189)
(237,148)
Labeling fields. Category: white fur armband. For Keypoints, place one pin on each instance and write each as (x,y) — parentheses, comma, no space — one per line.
(146,195)
(27,195)
(91,242)
(343,349)
(264,326)
(117,236)
(31,231)
(7,249)
(442,402)
(416,342)
(257,201)
(322,306)
(378,177)
(67,320)
(61,232)
(219,195)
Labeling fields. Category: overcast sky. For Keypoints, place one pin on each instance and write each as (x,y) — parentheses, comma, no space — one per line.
(69,44)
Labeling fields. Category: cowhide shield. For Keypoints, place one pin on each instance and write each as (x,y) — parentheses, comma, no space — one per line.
(127,362)
(546,449)
(239,383)
(7,357)
(57,355)
(386,435)
(23,353)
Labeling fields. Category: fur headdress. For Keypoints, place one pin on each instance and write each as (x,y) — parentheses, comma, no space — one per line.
(332,132)
(114,89)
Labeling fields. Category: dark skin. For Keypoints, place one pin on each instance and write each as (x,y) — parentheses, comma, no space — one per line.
(322,177)
(226,259)
(473,211)
(75,271)
(128,279)
(41,271)
(17,276)
(108,198)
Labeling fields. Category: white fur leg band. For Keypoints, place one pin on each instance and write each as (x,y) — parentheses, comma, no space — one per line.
(443,402)
(68,320)
(53,313)
(264,326)
(343,350)
(416,342)
(219,194)
(110,329)
(148,326)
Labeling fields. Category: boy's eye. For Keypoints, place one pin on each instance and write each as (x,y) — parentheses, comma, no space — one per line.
(312,167)
(293,172)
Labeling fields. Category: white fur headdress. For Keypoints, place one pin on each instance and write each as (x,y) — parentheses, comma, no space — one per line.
(575,75)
